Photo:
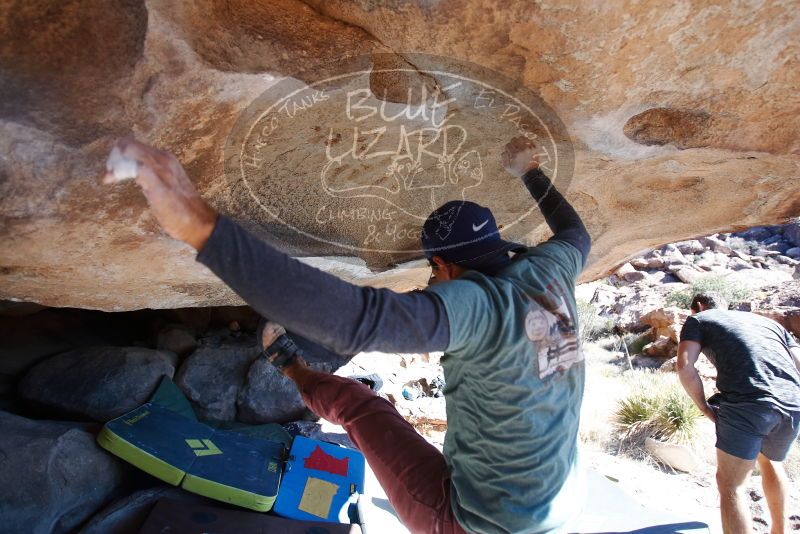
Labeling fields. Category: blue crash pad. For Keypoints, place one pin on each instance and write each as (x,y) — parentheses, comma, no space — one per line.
(320,482)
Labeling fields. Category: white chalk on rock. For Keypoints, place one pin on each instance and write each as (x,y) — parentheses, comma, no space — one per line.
(119,167)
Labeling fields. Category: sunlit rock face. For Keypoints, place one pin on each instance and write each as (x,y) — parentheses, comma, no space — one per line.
(331,128)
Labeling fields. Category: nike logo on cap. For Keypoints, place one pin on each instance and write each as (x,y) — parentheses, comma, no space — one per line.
(476,228)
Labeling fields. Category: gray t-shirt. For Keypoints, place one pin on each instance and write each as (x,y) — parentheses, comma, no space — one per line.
(751,354)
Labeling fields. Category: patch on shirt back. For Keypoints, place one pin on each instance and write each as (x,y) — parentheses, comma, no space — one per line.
(549,325)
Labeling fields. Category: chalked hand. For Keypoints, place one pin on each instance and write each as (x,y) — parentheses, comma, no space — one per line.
(520,156)
(173,199)
(119,168)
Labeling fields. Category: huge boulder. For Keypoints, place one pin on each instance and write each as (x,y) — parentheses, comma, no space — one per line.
(213,376)
(269,397)
(666,322)
(98,383)
(234,383)
(53,476)
(779,302)
(693,134)
(792,233)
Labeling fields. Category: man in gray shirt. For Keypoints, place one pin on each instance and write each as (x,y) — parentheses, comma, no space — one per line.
(757,415)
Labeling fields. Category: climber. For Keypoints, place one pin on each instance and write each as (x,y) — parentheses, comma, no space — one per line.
(756,413)
(504,315)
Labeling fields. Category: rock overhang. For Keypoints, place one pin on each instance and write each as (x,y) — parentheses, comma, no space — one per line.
(683,124)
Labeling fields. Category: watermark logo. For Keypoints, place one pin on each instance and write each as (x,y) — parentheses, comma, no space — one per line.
(353,156)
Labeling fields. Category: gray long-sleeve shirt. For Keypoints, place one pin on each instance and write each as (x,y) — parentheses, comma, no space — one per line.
(342,316)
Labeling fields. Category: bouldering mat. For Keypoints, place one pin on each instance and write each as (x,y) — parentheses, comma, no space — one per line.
(321,481)
(170,396)
(227,466)
(189,518)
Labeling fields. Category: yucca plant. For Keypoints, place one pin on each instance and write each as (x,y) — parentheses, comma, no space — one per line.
(676,418)
(656,407)
(636,409)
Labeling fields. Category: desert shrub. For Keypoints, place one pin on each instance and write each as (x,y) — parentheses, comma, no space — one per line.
(637,342)
(656,407)
(733,292)
(676,417)
(590,325)
(636,410)
(634,342)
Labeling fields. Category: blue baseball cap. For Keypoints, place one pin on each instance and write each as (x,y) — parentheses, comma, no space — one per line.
(464,233)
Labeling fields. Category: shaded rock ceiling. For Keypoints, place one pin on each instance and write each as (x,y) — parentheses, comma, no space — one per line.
(660,122)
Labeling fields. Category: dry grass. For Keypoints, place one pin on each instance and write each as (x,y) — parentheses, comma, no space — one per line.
(603,377)
(656,407)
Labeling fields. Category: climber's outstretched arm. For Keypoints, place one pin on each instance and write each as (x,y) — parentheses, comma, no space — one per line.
(344,317)
(520,159)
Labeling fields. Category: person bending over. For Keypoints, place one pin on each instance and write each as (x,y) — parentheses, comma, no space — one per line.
(757,410)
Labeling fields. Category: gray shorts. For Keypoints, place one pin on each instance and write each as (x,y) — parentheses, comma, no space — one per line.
(745,429)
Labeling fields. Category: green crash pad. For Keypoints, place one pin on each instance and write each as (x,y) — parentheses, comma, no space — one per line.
(170,396)
(164,438)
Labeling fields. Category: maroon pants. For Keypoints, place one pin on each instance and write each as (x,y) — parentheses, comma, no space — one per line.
(411,471)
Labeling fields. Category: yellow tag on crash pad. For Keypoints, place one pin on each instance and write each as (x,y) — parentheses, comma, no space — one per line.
(317,497)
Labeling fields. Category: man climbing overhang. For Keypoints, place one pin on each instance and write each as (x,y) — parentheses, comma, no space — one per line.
(507,325)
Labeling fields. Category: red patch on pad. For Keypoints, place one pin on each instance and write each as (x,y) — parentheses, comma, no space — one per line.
(322,461)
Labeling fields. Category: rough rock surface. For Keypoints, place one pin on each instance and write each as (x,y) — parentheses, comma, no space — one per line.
(269,397)
(177,339)
(666,322)
(128,514)
(233,383)
(627,305)
(99,383)
(683,118)
(212,377)
(53,476)
(662,347)
(781,303)
(675,455)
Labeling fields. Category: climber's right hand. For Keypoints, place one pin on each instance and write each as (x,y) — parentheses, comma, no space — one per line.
(520,156)
(173,198)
